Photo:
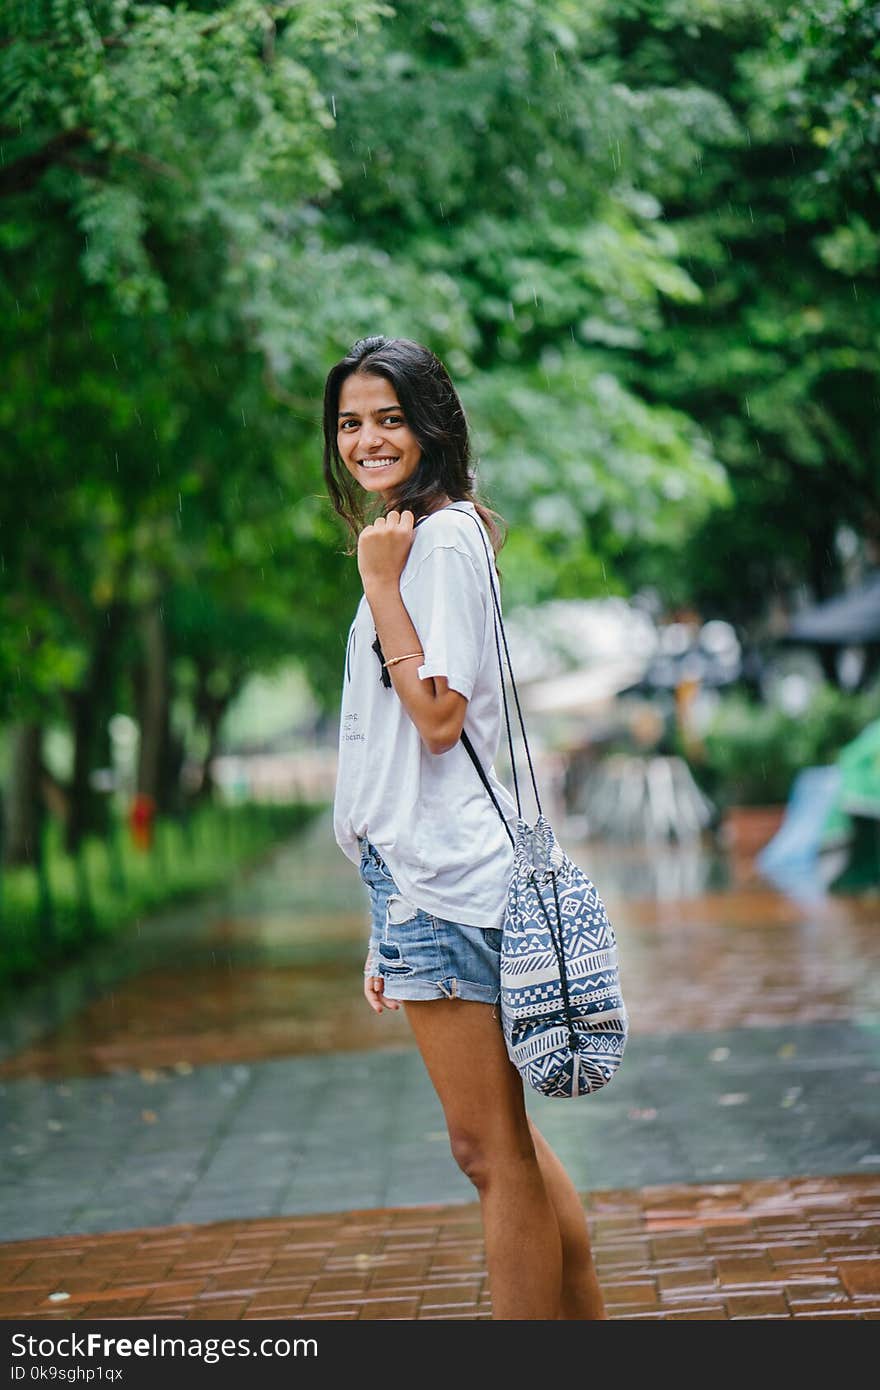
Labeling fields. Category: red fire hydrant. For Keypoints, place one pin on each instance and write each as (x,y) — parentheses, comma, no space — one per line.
(140,819)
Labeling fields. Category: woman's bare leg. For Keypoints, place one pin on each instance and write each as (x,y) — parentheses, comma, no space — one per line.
(581,1294)
(482,1097)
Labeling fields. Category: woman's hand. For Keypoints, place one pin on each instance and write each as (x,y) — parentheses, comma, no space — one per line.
(374,992)
(383,547)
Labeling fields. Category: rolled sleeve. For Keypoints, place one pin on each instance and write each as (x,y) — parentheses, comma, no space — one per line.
(446,600)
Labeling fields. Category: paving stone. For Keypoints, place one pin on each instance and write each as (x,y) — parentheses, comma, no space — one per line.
(174,1138)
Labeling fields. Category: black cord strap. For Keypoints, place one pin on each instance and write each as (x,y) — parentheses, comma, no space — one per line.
(556,938)
(499,623)
(485,781)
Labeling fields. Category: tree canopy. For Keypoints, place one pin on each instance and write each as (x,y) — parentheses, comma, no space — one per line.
(641,235)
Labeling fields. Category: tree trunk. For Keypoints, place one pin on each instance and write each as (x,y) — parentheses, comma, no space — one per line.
(88,809)
(823,572)
(22,811)
(213,722)
(154,713)
(209,711)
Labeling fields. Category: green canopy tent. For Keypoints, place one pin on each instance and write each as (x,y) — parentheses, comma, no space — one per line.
(855,812)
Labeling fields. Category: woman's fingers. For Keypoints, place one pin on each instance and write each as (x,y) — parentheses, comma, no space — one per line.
(374,990)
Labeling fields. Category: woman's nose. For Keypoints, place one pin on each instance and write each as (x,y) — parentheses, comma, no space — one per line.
(370,436)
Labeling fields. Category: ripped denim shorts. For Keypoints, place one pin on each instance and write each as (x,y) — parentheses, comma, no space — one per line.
(420,956)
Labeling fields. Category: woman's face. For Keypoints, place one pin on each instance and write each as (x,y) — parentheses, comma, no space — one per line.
(375,443)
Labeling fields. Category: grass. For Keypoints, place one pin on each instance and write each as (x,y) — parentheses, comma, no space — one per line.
(111,882)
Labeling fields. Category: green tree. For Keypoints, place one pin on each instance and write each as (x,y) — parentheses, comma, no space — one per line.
(777,358)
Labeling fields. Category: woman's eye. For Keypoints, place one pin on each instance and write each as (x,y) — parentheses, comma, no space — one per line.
(393,419)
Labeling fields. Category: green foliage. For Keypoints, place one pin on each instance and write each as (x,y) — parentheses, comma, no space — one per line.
(641,234)
(588,469)
(124,882)
(779,358)
(202,206)
(753,752)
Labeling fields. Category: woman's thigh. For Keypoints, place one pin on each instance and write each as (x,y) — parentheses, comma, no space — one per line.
(480,1089)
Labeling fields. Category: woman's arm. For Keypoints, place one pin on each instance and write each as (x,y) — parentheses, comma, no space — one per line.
(436,711)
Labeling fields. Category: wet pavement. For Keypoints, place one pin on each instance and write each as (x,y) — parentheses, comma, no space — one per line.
(205,1120)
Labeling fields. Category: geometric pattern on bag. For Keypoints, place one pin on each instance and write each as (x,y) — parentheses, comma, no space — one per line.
(565,1029)
(562,1010)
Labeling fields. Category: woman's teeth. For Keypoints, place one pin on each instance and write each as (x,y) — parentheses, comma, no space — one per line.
(377,463)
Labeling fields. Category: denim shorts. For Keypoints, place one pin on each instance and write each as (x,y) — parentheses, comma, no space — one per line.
(420,956)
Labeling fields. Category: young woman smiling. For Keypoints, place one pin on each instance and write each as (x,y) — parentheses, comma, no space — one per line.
(410,811)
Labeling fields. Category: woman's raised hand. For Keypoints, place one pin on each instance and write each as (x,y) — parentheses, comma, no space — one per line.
(383,547)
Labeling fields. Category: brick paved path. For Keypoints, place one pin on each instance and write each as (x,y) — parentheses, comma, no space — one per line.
(173,1142)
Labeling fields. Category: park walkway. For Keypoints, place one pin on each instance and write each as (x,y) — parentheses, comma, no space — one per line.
(206,1121)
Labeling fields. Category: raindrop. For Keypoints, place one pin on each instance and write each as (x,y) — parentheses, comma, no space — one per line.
(333,105)
(243,420)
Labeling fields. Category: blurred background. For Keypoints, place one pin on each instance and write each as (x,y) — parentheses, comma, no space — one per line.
(643,237)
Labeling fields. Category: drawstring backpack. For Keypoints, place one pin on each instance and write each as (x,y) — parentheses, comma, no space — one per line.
(562,1012)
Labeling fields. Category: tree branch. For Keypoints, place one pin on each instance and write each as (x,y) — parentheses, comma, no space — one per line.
(22,174)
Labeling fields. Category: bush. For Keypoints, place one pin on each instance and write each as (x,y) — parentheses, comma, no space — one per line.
(753,752)
(109,884)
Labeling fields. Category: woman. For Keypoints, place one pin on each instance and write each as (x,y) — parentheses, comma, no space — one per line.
(410,810)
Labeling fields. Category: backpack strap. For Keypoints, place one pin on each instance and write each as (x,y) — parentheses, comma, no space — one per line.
(499,623)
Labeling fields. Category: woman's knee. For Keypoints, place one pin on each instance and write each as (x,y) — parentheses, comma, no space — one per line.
(481,1156)
(469,1152)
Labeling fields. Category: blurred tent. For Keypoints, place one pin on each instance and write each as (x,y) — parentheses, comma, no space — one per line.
(856,810)
(830,836)
(574,658)
(583,691)
(801,859)
(701,654)
(576,638)
(851,619)
(859,765)
(645,799)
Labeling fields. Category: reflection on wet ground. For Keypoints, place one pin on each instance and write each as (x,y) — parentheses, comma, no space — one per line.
(194,1072)
(274,968)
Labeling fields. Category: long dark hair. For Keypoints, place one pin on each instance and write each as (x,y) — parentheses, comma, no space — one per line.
(436,417)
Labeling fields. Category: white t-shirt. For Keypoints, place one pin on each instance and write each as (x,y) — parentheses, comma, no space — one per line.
(429,814)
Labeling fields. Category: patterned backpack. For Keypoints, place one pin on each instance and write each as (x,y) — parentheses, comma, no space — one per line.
(562,1011)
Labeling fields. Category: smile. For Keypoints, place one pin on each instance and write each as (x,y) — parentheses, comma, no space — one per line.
(385,462)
